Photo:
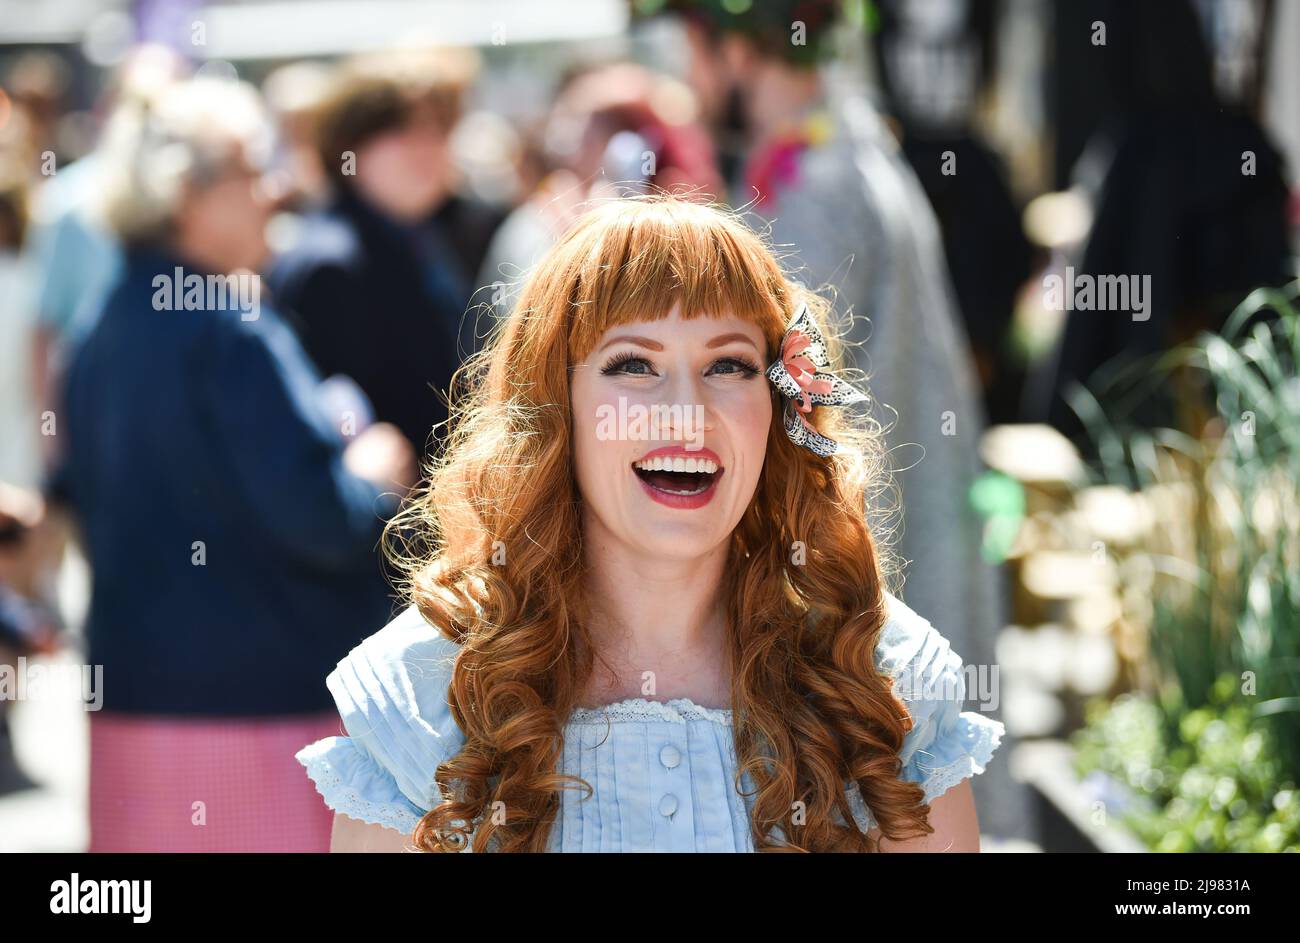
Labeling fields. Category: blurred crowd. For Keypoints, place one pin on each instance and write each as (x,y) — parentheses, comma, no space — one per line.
(227,469)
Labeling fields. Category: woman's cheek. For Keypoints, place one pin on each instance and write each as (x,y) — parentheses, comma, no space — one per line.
(751,417)
(586,409)
(746,418)
(602,452)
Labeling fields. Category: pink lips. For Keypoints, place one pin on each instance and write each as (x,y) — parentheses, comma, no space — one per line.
(681,501)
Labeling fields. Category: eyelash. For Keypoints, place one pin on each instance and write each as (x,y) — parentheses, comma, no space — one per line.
(746,368)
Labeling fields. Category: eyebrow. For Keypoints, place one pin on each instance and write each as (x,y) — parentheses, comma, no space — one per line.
(632,339)
(722,339)
(718,341)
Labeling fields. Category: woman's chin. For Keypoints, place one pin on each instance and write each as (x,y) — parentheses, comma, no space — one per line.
(677,539)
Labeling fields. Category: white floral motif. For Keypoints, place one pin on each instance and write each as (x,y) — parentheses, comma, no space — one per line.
(678,710)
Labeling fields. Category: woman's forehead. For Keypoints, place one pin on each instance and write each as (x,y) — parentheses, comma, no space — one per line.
(676,321)
(674,329)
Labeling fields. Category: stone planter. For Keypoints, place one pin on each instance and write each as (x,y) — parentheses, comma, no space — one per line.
(1073,816)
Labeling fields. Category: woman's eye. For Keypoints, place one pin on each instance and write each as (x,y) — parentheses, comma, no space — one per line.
(629,364)
(733,366)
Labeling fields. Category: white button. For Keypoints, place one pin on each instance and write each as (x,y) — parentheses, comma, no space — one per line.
(668,805)
(670,756)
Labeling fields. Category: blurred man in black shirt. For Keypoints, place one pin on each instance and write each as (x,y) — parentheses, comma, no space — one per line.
(380,280)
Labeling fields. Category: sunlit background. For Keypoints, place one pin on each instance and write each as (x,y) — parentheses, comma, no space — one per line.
(1137,495)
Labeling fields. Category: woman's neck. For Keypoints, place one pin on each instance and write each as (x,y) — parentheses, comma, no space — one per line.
(659,616)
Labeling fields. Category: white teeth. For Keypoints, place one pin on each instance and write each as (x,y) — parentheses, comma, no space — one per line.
(695,491)
(677,464)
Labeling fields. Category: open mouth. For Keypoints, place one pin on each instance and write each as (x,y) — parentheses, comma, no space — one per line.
(682,477)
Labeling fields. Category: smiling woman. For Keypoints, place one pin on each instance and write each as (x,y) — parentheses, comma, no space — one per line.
(708,366)
(622,642)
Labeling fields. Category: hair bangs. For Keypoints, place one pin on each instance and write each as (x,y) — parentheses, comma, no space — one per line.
(636,260)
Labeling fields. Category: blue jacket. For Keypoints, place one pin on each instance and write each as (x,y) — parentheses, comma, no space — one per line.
(234,559)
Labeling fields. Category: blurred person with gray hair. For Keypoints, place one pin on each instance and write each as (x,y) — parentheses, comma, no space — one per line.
(229,522)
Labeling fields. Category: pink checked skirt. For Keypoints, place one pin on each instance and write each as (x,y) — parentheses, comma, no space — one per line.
(189,785)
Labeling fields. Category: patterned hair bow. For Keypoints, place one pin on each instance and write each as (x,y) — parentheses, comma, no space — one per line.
(795,374)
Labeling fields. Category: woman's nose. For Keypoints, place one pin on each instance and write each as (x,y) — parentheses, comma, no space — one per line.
(686,389)
(689,399)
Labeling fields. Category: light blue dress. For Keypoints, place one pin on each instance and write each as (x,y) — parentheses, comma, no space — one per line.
(663,772)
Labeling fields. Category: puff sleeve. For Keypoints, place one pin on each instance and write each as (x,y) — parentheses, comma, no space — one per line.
(946,744)
(391,692)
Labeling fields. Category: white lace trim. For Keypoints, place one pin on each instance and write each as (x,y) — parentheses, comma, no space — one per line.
(983,737)
(341,797)
(678,710)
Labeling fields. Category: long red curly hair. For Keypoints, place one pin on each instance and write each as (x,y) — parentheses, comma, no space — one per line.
(811,713)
